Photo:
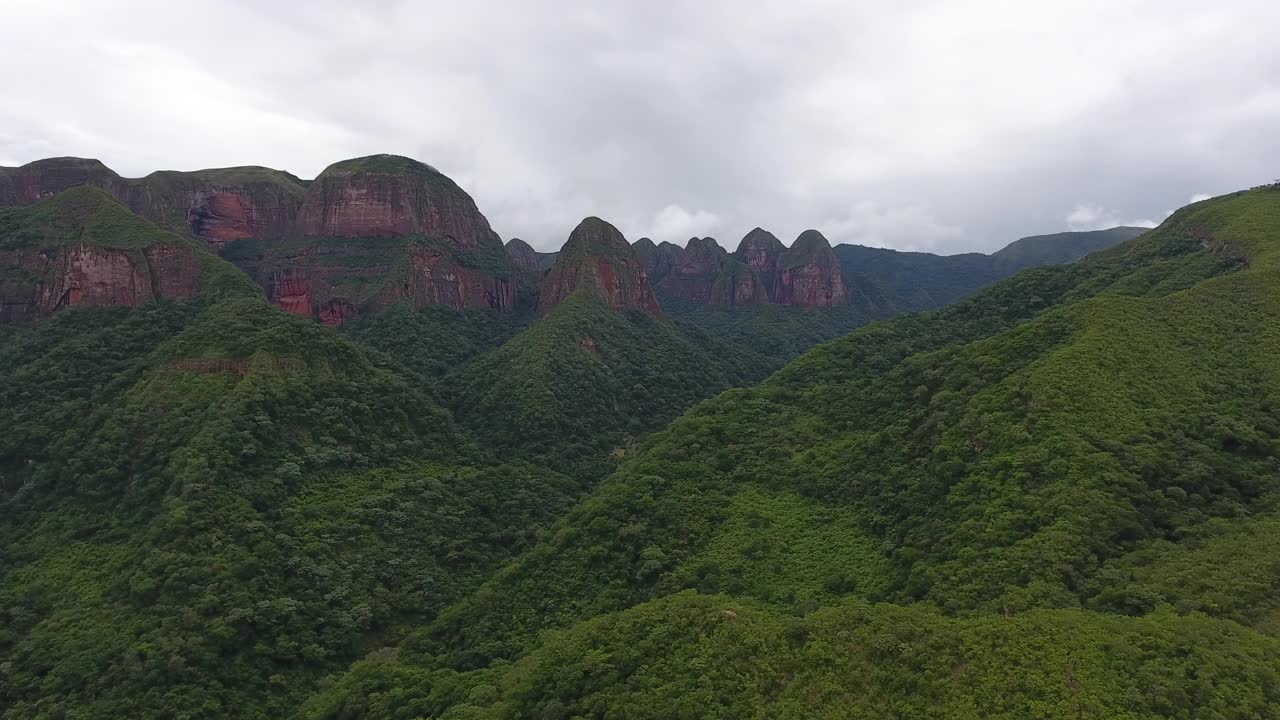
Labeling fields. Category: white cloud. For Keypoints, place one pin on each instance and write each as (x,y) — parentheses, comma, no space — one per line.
(1199,197)
(1095,217)
(675,224)
(618,108)
(906,228)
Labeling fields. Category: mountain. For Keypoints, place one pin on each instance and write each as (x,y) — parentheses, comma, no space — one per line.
(1044,497)
(598,260)
(379,230)
(923,281)
(760,251)
(218,205)
(694,271)
(657,260)
(523,256)
(82,247)
(208,503)
(809,274)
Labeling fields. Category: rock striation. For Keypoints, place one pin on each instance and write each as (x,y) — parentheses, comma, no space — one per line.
(598,259)
(809,275)
(82,247)
(695,271)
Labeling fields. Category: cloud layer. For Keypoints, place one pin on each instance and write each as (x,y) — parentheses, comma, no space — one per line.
(923,125)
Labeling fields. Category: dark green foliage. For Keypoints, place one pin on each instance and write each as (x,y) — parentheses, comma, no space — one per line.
(435,340)
(910,281)
(584,382)
(994,457)
(195,519)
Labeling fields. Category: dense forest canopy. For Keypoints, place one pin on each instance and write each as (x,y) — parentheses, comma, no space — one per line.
(1053,498)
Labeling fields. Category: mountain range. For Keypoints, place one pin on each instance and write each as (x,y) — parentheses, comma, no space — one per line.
(331,449)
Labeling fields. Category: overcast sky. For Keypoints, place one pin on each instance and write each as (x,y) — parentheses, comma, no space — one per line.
(944,126)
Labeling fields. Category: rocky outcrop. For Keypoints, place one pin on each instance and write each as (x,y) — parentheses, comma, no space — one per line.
(808,274)
(43,179)
(83,248)
(598,259)
(389,195)
(222,205)
(760,251)
(695,271)
(657,260)
(335,279)
(738,286)
(522,255)
(218,205)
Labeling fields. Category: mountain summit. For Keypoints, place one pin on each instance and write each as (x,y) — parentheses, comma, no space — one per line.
(598,259)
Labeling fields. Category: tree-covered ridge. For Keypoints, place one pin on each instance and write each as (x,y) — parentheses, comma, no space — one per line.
(999,456)
(585,381)
(210,504)
(914,281)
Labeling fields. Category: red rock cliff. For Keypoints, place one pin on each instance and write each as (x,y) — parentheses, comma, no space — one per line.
(389,195)
(809,274)
(217,205)
(695,271)
(760,251)
(598,258)
(83,248)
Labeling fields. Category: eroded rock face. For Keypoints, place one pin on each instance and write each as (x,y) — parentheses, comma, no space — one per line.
(335,280)
(522,255)
(657,260)
(40,281)
(387,195)
(219,205)
(598,258)
(760,251)
(809,274)
(43,179)
(738,286)
(695,271)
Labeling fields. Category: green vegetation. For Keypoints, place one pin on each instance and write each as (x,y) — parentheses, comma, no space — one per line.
(83,214)
(383,164)
(1057,498)
(435,340)
(584,382)
(1026,449)
(912,281)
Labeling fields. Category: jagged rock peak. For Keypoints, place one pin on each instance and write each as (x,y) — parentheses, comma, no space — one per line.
(598,259)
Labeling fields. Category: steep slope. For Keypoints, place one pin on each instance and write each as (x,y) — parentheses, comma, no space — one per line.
(220,205)
(523,256)
(208,504)
(922,281)
(379,230)
(657,260)
(598,260)
(694,272)
(81,247)
(1034,447)
(217,205)
(586,380)
(1058,248)
(761,251)
(809,274)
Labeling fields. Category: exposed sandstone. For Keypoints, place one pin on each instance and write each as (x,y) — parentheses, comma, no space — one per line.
(598,259)
(809,274)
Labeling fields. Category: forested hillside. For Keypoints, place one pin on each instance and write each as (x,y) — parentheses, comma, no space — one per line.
(1070,479)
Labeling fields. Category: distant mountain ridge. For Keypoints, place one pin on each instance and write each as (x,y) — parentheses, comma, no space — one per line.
(374,231)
